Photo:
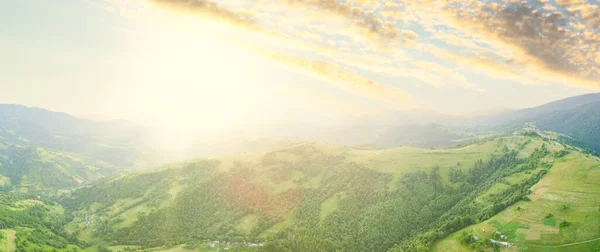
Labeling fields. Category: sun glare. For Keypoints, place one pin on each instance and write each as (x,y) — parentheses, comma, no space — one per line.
(194,79)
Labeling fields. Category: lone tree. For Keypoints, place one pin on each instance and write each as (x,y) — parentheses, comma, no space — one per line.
(435,178)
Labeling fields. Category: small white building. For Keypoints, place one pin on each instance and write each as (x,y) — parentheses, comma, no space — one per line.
(501,243)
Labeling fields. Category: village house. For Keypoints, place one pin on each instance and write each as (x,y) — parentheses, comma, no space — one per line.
(501,235)
(500,243)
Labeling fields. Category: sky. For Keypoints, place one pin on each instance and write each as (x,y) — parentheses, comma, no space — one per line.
(220,64)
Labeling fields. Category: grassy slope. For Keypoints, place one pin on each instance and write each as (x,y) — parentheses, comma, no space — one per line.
(329,206)
(38,168)
(8,242)
(401,160)
(279,226)
(573,182)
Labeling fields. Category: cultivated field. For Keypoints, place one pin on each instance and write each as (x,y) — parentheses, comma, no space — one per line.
(569,193)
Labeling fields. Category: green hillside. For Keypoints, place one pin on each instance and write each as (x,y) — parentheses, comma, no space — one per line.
(315,197)
(33,223)
(36,166)
(561,214)
(28,169)
(581,124)
(115,142)
(311,196)
(42,150)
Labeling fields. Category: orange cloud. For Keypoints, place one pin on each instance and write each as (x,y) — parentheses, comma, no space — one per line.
(348,80)
(546,40)
(206,8)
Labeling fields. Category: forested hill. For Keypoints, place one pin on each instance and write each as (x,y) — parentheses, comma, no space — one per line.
(560,105)
(117,143)
(580,124)
(577,118)
(536,189)
(529,114)
(41,150)
(33,169)
(316,197)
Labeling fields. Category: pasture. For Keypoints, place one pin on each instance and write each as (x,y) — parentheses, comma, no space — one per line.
(564,194)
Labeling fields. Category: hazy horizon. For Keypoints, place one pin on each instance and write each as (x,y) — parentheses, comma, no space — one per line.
(178,65)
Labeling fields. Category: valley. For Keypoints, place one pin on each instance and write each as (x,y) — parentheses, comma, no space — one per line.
(510,186)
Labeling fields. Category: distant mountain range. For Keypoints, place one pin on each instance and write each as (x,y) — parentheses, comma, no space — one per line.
(531,114)
(577,117)
(116,142)
(60,141)
(42,149)
(581,123)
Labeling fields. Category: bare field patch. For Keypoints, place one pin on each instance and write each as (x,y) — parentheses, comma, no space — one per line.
(539,193)
(8,244)
(4,180)
(593,177)
(550,230)
(534,233)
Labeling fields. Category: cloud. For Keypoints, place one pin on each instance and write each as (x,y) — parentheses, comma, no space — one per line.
(362,44)
(561,40)
(369,24)
(348,80)
(358,15)
(206,8)
(286,31)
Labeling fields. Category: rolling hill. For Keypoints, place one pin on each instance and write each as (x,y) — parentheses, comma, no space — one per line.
(37,169)
(577,118)
(64,187)
(43,154)
(119,143)
(41,150)
(321,197)
(529,114)
(389,136)
(560,214)
(580,124)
